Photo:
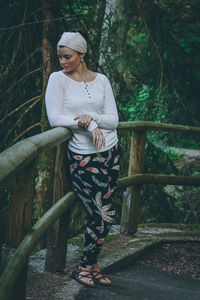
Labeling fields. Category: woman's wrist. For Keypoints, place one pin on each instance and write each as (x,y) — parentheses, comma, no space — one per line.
(93,125)
(96,118)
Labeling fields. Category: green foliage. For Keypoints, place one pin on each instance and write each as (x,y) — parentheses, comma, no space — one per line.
(137,109)
(163,76)
(173,155)
(157,161)
(196,173)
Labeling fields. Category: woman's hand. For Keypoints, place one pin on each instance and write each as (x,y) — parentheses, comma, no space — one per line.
(98,138)
(84,120)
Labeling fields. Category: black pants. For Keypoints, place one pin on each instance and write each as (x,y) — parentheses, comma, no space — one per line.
(94,177)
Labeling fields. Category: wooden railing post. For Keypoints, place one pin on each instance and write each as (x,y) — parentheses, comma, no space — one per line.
(57,235)
(136,163)
(20,218)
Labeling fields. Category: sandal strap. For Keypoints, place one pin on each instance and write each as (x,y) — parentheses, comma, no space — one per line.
(87,275)
(80,274)
(98,275)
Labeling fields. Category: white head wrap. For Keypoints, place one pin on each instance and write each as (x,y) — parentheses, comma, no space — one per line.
(74,41)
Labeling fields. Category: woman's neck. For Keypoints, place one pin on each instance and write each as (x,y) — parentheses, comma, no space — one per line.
(82,73)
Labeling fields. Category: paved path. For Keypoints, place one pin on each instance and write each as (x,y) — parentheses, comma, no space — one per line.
(192,154)
(139,282)
(136,282)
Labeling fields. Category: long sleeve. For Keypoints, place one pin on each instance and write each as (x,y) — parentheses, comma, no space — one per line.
(67,98)
(109,118)
(55,106)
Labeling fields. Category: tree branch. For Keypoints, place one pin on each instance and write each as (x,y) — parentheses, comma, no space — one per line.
(18,121)
(37,98)
(23,133)
(21,79)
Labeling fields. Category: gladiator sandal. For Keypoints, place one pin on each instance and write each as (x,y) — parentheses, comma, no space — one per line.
(99,278)
(83,276)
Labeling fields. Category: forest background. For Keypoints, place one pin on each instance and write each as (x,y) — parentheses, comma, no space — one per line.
(150,51)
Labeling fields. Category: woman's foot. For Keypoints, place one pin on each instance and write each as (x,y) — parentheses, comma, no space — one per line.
(83,276)
(98,276)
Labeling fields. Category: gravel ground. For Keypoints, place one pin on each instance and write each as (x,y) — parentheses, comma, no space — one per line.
(179,257)
(42,284)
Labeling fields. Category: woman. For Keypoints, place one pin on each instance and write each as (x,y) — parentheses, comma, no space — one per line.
(83,101)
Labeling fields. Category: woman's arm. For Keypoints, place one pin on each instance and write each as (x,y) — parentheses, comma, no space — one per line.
(86,121)
(109,118)
(54,104)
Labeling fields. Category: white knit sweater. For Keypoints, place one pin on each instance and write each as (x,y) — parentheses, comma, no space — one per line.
(67,98)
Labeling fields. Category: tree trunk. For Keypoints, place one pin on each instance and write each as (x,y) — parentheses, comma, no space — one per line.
(20,219)
(95,32)
(44,187)
(113,48)
(49,53)
(21,205)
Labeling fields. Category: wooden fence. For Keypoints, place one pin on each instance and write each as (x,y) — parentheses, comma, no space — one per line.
(19,161)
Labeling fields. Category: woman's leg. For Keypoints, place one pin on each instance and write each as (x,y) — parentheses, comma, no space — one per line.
(113,164)
(94,184)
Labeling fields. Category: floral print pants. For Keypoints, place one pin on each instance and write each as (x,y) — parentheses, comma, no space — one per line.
(94,177)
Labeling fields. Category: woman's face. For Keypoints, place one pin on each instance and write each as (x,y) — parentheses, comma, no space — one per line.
(69,59)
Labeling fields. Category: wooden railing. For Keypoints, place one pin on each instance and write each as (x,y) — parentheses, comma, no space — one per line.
(20,159)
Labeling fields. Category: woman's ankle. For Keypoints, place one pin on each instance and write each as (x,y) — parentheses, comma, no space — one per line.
(88,267)
(95,267)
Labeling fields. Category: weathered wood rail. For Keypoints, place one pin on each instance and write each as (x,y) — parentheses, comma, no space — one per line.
(20,159)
